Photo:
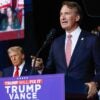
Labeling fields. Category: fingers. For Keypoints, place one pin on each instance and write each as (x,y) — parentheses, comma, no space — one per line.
(37,63)
(92,89)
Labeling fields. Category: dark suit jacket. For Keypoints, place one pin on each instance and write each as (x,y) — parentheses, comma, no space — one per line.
(8,72)
(85,59)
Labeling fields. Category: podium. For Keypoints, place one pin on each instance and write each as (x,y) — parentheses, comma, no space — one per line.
(42,87)
(37,87)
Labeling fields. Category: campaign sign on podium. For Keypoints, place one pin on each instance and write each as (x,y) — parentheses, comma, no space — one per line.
(37,87)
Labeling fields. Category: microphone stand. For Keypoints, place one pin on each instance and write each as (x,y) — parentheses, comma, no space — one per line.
(49,37)
(34,70)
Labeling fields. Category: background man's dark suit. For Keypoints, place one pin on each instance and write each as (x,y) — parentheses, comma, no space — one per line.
(8,72)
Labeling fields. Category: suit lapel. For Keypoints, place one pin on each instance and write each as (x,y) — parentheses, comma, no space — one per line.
(24,71)
(78,49)
(62,51)
(10,71)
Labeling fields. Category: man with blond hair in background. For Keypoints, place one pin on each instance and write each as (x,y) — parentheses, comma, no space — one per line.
(19,66)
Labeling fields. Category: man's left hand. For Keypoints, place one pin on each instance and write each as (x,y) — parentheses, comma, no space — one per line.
(92,89)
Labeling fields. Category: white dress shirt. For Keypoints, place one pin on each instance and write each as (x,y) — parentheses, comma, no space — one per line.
(75,35)
(20,68)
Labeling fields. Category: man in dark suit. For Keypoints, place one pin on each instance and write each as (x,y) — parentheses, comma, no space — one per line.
(19,67)
(77,53)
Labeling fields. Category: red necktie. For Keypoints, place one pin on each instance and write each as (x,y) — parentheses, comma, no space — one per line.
(16,74)
(68,49)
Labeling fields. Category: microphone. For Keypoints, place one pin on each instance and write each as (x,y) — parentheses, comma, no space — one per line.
(51,34)
(49,37)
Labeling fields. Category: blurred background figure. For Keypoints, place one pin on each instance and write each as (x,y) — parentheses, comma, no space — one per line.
(96,30)
(19,7)
(2,15)
(11,22)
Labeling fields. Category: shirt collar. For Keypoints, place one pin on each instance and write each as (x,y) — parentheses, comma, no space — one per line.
(20,66)
(75,33)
